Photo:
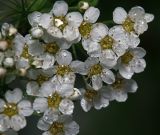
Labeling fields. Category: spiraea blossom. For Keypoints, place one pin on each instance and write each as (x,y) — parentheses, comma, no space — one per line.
(68,55)
(13,111)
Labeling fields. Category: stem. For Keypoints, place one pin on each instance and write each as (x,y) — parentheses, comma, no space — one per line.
(74,51)
(23,6)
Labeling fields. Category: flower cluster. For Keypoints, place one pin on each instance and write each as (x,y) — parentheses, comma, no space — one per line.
(44,58)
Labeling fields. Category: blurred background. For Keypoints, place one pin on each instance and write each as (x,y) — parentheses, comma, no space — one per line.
(139,115)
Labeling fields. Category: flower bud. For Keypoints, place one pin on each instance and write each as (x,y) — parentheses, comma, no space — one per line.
(83,5)
(12,31)
(2,72)
(3,45)
(8,62)
(37,32)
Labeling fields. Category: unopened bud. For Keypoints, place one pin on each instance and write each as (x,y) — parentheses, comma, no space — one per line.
(83,5)
(3,45)
(37,32)
(3,72)
(22,72)
(12,31)
(8,62)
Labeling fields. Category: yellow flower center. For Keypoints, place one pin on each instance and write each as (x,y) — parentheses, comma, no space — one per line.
(128,25)
(25,53)
(51,48)
(90,94)
(41,79)
(56,128)
(60,22)
(126,58)
(63,69)
(118,84)
(95,70)
(107,42)
(85,29)
(54,100)
(10,109)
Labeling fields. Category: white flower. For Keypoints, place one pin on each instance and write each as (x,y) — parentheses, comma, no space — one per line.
(62,126)
(14,110)
(91,15)
(58,23)
(97,99)
(98,73)
(132,62)
(55,96)
(118,91)
(25,49)
(134,23)
(37,77)
(66,68)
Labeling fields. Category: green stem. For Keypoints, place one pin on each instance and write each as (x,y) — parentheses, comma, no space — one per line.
(74,51)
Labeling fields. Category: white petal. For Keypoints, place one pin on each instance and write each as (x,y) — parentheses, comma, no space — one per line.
(47,89)
(101,102)
(71,128)
(131,86)
(91,15)
(19,42)
(48,61)
(36,48)
(94,49)
(136,13)
(66,90)
(119,49)
(71,34)
(55,32)
(66,106)
(46,20)
(40,105)
(108,58)
(97,82)
(25,108)
(108,76)
(18,122)
(51,115)
(4,123)
(64,57)
(91,61)
(22,63)
(139,52)
(2,103)
(149,17)
(119,15)
(78,67)
(67,78)
(14,96)
(126,72)
(133,40)
(34,18)
(121,96)
(86,106)
(139,65)
(60,8)
(74,19)
(99,31)
(32,89)
(42,125)
(140,26)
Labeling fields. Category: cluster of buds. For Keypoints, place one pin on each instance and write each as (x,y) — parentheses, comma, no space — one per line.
(51,68)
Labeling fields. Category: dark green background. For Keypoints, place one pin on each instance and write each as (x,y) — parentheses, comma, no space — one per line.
(140,114)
